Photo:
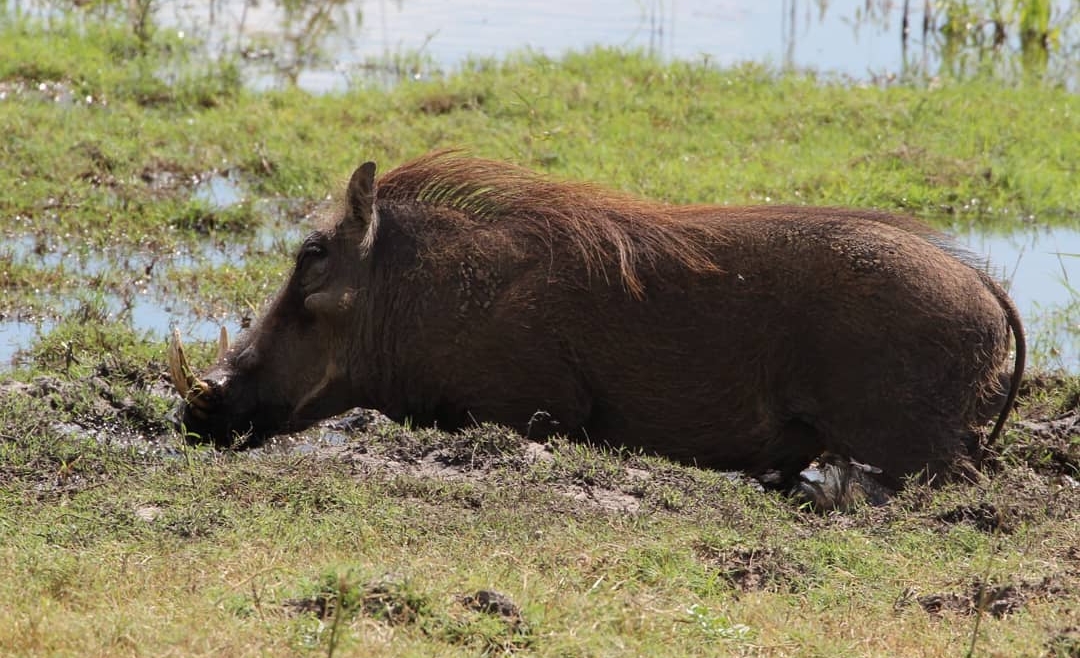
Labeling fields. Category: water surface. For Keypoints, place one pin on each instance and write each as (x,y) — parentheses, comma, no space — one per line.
(1042,269)
(841,38)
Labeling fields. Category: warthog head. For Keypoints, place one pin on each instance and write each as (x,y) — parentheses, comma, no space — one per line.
(289,369)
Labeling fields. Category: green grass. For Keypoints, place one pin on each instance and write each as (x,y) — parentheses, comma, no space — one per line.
(124,551)
(117,540)
(681,132)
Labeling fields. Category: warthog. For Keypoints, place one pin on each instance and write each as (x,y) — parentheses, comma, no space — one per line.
(457,290)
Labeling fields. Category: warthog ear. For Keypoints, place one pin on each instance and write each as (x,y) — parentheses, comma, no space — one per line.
(362,194)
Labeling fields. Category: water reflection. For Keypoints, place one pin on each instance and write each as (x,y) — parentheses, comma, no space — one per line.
(327,45)
(1037,262)
(220,191)
(1042,266)
(16,335)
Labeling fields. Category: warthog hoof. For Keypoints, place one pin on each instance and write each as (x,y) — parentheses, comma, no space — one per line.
(838,483)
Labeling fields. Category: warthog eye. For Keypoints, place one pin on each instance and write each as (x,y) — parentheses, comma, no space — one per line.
(311,263)
(312,250)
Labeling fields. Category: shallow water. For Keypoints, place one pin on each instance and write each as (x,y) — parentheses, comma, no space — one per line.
(17,335)
(220,191)
(410,37)
(1042,269)
(366,40)
(142,303)
(1041,265)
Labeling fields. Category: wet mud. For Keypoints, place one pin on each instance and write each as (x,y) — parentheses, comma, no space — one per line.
(131,407)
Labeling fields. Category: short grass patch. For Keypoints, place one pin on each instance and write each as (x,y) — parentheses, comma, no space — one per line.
(414,542)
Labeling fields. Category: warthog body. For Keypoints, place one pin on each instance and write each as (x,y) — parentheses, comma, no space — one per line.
(458,290)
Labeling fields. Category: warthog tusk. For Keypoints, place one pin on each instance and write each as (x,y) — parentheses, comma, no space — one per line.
(222,343)
(177,364)
(191,388)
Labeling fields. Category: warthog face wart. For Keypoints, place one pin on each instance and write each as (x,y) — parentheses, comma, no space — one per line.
(458,290)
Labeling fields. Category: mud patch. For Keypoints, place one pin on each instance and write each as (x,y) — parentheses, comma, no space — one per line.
(755,569)
(493,456)
(98,407)
(445,103)
(1050,445)
(492,603)
(983,516)
(1064,644)
(996,600)
(127,405)
(507,629)
(382,445)
(1005,503)
(607,499)
(387,599)
(1048,440)
(486,454)
(486,619)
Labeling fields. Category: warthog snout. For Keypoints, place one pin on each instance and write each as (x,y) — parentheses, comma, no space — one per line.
(201,399)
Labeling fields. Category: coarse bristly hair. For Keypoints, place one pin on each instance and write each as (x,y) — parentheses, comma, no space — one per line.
(605,227)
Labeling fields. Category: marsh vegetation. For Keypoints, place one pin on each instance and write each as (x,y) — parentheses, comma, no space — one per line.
(148,185)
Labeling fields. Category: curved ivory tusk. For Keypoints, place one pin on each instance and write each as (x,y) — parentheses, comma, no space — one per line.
(187,385)
(223,343)
(178,365)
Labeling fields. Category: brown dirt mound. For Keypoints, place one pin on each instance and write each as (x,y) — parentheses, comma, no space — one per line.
(996,600)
